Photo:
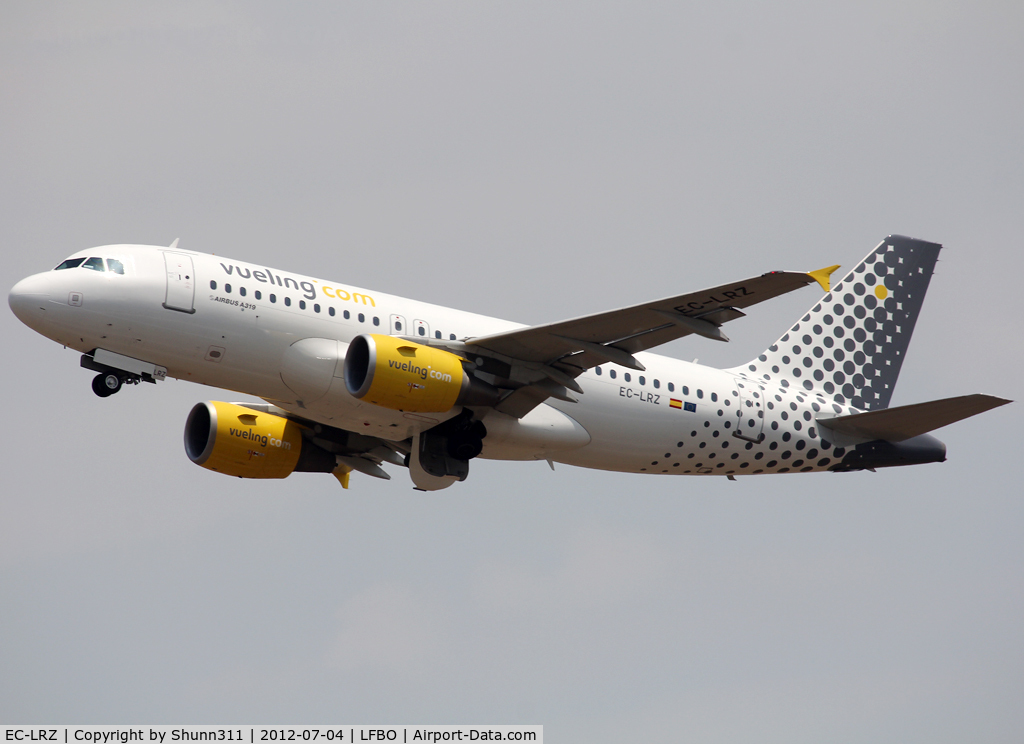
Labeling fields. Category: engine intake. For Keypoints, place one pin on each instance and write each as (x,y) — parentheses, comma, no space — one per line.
(235,440)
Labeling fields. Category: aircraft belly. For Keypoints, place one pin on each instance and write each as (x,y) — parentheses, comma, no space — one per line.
(622,429)
(541,434)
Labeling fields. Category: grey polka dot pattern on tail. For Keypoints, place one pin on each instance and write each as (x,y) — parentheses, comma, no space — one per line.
(851,345)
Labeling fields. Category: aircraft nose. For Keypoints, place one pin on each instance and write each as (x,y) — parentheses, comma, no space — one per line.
(28,298)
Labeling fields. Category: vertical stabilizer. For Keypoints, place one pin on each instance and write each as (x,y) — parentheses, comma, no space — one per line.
(851,345)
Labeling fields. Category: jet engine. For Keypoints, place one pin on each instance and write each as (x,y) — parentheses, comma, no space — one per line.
(406,376)
(235,440)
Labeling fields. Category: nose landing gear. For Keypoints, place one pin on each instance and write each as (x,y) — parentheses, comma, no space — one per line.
(116,370)
(106,383)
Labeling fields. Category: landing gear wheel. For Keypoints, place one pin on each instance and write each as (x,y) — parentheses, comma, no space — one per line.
(468,442)
(106,384)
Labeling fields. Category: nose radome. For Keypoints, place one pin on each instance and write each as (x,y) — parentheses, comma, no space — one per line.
(28,296)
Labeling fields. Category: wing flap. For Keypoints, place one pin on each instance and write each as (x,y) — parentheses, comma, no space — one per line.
(904,422)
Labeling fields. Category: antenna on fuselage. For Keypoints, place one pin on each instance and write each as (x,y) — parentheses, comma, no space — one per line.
(175,243)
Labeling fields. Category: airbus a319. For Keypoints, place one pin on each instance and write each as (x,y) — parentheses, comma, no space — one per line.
(354,380)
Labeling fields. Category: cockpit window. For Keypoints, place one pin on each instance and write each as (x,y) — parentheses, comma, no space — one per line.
(71,263)
(96,264)
(114,265)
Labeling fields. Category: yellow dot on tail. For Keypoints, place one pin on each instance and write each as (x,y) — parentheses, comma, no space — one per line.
(881,292)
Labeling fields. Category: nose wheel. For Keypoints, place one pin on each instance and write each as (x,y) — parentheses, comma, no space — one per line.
(106,384)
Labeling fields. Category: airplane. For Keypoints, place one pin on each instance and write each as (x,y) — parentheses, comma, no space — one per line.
(354,379)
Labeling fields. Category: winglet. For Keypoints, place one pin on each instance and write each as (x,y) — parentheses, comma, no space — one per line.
(821,276)
(175,243)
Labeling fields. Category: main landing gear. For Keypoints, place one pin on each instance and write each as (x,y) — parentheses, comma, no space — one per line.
(106,384)
(440,456)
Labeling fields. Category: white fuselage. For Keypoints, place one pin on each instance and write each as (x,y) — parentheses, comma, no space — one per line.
(230,324)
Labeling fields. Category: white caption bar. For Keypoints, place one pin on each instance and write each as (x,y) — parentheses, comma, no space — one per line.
(265,734)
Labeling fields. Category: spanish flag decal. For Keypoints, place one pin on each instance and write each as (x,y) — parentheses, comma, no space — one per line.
(673,403)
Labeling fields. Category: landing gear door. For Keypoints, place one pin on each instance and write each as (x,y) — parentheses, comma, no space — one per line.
(181,284)
(750,416)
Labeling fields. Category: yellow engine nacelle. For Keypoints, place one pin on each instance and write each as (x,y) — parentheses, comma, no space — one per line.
(406,376)
(235,440)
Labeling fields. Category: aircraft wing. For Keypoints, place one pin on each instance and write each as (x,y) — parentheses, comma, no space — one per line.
(562,351)
(613,336)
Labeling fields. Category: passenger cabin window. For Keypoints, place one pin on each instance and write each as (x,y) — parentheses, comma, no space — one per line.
(115,266)
(437,334)
(422,331)
(96,264)
(71,263)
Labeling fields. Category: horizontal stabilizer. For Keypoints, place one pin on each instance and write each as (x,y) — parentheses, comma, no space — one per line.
(904,422)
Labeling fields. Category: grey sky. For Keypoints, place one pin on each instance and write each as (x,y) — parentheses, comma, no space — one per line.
(532,161)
